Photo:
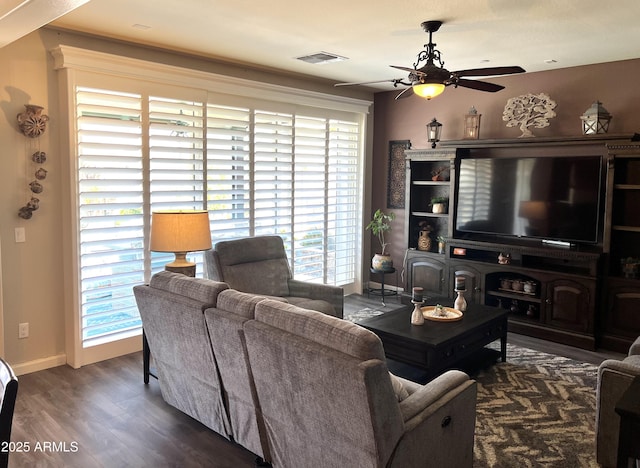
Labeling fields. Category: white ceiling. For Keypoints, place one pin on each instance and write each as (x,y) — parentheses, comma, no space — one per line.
(373,34)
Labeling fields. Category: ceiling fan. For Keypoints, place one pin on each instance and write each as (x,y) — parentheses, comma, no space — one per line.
(430,80)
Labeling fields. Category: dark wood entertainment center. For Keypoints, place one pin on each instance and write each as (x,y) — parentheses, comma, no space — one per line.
(576,294)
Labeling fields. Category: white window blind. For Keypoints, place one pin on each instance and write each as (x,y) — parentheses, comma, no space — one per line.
(176,162)
(110,191)
(258,172)
(295,176)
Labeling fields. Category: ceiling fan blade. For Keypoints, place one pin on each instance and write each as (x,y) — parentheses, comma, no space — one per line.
(489,71)
(407,69)
(368,82)
(479,85)
(405,93)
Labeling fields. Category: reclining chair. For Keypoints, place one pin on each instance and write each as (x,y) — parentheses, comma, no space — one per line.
(259,265)
(328,400)
(614,377)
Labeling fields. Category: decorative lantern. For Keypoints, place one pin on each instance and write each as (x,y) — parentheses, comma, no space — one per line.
(595,119)
(472,124)
(434,128)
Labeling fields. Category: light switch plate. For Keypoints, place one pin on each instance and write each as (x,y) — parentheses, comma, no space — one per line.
(20,234)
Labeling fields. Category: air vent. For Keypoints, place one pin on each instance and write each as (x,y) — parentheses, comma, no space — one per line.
(321,57)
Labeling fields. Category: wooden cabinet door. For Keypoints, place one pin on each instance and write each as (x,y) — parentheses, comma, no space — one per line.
(623,309)
(427,273)
(473,281)
(569,305)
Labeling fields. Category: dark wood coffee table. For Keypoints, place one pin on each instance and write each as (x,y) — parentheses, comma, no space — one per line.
(438,346)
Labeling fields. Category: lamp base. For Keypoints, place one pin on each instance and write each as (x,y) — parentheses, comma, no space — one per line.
(181,265)
(188,270)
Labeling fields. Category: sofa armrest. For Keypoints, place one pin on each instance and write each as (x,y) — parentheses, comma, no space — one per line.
(420,400)
(634,349)
(614,377)
(440,423)
(334,295)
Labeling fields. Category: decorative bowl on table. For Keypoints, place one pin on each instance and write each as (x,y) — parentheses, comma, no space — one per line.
(439,313)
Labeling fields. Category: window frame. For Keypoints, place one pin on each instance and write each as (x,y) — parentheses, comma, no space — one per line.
(77,66)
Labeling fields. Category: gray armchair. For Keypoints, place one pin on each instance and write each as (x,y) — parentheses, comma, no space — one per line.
(614,377)
(259,265)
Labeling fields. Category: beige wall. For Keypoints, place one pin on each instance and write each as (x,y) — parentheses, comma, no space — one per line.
(573,89)
(32,273)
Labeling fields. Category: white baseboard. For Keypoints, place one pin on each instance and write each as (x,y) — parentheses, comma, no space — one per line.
(39,364)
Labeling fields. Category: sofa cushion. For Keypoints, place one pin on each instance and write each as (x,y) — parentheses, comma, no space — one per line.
(198,289)
(329,331)
(268,277)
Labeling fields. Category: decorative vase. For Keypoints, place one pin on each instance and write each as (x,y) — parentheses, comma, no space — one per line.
(441,245)
(382,262)
(460,303)
(32,122)
(416,316)
(424,241)
(438,208)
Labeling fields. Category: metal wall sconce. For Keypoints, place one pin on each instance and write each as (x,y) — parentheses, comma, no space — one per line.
(472,125)
(434,129)
(595,119)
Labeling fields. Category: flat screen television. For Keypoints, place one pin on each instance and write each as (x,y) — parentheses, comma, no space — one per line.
(550,198)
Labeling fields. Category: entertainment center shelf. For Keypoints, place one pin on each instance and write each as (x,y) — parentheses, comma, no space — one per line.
(581,293)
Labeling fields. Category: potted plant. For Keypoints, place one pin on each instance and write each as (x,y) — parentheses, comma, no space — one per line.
(380,224)
(441,243)
(439,204)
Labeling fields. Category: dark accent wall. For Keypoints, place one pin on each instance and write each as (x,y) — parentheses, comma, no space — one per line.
(615,84)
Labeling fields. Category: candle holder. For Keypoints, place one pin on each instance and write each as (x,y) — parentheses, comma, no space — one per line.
(460,303)
(416,316)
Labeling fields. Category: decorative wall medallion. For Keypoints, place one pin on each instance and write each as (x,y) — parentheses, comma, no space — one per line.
(32,122)
(529,110)
(39,157)
(36,187)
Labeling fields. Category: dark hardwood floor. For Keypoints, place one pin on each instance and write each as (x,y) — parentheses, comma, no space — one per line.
(103,415)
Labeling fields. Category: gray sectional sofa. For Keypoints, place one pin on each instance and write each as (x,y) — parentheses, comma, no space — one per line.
(298,387)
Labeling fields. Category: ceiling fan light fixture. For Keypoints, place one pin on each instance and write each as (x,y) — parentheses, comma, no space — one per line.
(428,90)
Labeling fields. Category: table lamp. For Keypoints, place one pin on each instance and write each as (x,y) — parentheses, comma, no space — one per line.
(180,232)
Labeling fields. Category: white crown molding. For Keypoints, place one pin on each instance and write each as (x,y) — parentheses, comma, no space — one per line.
(100,62)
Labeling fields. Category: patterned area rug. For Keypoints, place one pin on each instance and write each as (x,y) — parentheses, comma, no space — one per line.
(535,410)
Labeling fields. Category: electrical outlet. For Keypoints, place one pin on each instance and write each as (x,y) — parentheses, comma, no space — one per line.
(23,330)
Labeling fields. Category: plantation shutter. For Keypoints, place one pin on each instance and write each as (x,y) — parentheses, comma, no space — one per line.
(176,162)
(228,172)
(273,175)
(110,211)
(343,201)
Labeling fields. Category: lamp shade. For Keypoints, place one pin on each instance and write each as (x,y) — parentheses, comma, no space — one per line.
(428,90)
(180,232)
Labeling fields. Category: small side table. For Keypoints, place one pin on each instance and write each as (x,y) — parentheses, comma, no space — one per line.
(628,408)
(382,291)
